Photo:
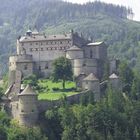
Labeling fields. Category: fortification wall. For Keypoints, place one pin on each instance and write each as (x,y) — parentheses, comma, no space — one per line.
(44,105)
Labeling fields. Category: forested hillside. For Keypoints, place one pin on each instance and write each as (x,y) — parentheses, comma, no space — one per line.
(98,21)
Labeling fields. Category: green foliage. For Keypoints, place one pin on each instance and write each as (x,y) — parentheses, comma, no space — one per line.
(49,90)
(23,133)
(62,70)
(30,80)
(127,76)
(1,92)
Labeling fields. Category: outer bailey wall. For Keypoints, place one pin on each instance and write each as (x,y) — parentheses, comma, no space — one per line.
(44,105)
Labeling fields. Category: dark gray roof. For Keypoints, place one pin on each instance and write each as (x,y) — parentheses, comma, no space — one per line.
(42,37)
(91,77)
(74,48)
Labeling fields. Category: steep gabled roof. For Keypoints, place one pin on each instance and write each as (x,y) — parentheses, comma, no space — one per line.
(113,76)
(91,77)
(28,91)
(74,48)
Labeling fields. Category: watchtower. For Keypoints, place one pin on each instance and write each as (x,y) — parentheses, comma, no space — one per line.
(28,112)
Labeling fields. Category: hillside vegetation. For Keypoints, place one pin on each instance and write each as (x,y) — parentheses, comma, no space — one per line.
(98,21)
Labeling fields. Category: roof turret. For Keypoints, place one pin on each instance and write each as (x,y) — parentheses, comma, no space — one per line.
(91,77)
(29,32)
(113,76)
(28,91)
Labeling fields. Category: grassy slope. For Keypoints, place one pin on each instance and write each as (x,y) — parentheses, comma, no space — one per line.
(50,94)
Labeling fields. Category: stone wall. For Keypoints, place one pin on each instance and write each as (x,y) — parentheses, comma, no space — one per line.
(44,105)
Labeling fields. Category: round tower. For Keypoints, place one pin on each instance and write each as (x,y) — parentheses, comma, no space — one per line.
(78,66)
(92,83)
(114,81)
(74,52)
(28,111)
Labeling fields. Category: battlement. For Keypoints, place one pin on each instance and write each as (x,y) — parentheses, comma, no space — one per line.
(20,58)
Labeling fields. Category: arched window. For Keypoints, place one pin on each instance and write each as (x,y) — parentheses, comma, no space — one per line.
(25,67)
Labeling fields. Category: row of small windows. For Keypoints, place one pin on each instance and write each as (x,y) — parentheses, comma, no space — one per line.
(40,67)
(49,43)
(50,48)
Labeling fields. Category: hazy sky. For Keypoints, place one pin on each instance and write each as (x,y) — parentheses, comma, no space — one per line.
(134,4)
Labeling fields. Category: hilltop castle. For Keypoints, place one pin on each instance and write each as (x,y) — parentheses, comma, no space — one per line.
(35,55)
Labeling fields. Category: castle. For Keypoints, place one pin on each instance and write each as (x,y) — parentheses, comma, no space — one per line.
(35,55)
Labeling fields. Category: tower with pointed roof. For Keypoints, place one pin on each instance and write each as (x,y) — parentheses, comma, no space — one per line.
(114,81)
(92,83)
(27,107)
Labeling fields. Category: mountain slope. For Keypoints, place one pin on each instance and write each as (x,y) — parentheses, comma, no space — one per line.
(97,20)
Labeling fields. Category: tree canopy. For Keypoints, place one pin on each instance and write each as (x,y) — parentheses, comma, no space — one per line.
(62,70)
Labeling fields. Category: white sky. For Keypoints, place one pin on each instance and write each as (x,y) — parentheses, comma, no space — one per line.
(134,4)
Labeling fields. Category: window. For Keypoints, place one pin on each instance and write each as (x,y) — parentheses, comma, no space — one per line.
(22,110)
(41,49)
(60,42)
(25,67)
(90,53)
(39,67)
(31,49)
(22,44)
(46,66)
(36,43)
(30,43)
(84,65)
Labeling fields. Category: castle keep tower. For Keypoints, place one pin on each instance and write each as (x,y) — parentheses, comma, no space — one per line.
(28,112)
